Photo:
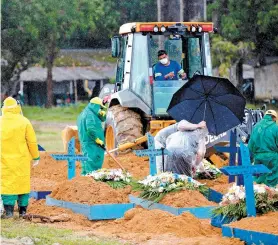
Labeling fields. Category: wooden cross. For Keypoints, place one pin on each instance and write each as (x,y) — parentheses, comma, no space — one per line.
(71,158)
(247,171)
(151,152)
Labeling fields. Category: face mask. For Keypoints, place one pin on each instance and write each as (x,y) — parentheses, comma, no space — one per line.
(164,61)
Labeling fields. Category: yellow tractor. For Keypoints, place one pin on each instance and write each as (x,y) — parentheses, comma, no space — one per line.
(139,103)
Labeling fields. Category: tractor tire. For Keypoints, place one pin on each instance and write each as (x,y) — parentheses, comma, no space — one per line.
(122,125)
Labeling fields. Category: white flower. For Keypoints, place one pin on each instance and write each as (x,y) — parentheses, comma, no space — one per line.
(241,195)
(153,184)
(259,189)
(172,186)
(160,189)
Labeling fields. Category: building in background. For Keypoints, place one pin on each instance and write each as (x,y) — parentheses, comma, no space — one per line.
(70,84)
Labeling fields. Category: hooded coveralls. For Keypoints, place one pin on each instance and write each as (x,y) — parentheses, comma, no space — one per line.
(89,129)
(18,148)
(264,146)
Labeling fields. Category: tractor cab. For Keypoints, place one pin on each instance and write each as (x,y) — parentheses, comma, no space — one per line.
(136,48)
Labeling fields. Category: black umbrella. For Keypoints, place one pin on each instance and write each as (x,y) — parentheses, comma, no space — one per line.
(212,99)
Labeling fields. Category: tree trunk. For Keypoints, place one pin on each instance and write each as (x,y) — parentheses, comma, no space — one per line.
(49,82)
(51,54)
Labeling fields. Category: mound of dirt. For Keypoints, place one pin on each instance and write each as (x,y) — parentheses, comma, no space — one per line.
(223,179)
(137,166)
(159,222)
(222,188)
(265,223)
(38,184)
(38,207)
(186,198)
(51,169)
(142,225)
(88,191)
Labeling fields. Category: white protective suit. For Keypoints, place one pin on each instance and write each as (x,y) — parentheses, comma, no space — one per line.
(186,143)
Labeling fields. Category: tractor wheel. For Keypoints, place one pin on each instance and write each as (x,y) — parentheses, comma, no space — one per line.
(122,125)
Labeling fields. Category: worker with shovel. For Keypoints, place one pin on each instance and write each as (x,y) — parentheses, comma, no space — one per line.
(18,147)
(91,135)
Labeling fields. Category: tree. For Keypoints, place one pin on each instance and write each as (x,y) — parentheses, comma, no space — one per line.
(250,21)
(60,20)
(225,53)
(19,41)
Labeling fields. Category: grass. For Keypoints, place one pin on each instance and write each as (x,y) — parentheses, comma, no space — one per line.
(49,123)
(44,235)
(104,57)
(259,105)
(49,138)
(55,114)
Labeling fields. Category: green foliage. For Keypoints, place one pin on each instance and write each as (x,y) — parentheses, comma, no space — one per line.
(225,53)
(117,184)
(264,204)
(250,21)
(152,194)
(211,8)
(20,37)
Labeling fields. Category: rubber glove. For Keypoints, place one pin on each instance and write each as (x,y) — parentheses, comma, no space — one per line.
(99,141)
(102,113)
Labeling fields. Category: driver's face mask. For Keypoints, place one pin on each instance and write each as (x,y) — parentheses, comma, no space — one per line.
(164,61)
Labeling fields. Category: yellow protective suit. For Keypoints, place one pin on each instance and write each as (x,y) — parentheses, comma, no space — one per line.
(18,148)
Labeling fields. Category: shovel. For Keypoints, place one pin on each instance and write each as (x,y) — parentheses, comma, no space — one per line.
(111,155)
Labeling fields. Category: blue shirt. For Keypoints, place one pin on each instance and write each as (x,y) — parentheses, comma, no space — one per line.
(161,70)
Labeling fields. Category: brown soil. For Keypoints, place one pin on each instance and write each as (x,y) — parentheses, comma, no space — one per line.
(223,179)
(86,190)
(186,198)
(51,169)
(39,207)
(141,224)
(38,184)
(222,188)
(266,223)
(137,166)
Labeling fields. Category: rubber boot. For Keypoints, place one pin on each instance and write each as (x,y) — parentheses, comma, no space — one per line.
(22,211)
(9,211)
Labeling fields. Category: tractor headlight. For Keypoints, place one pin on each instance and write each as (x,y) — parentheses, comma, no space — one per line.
(193,28)
(163,29)
(155,29)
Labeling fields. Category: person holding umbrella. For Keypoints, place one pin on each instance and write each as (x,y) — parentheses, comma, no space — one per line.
(263,144)
(187,149)
(18,147)
(161,138)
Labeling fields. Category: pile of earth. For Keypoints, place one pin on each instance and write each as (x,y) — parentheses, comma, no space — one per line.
(50,172)
(144,225)
(223,179)
(186,198)
(84,189)
(38,207)
(38,184)
(223,188)
(137,166)
(266,223)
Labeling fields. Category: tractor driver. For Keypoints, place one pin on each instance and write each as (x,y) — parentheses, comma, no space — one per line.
(167,69)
